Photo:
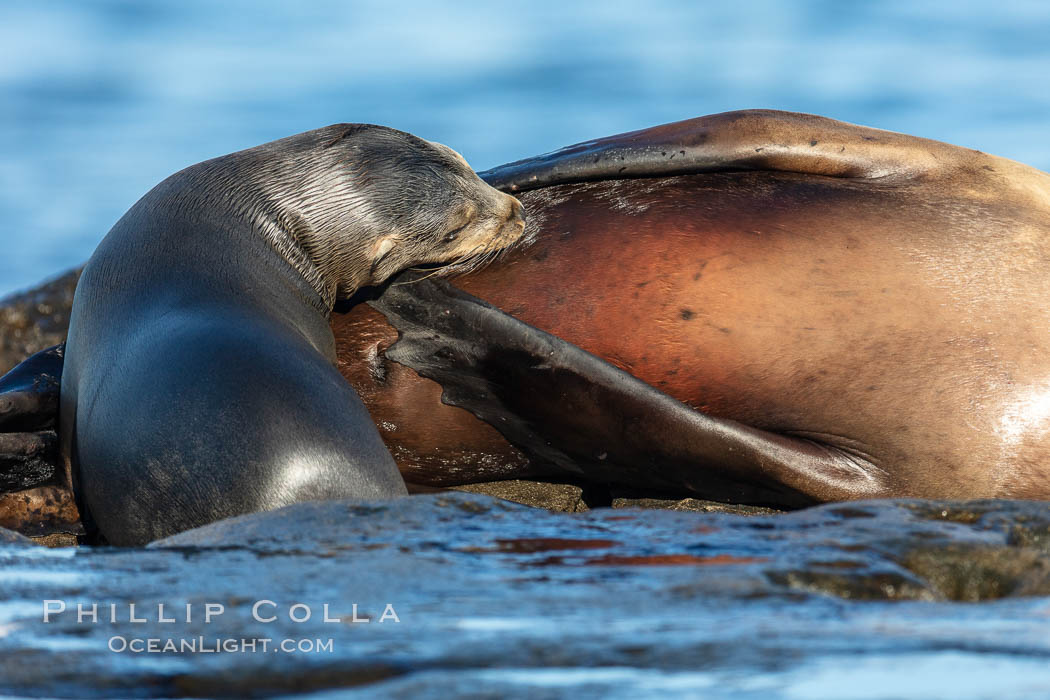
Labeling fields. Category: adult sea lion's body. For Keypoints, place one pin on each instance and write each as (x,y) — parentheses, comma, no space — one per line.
(872,303)
(199,378)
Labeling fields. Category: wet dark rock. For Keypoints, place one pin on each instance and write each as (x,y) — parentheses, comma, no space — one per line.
(57,540)
(47,514)
(564,498)
(498,599)
(35,319)
(27,460)
(692,504)
(854,583)
(976,573)
(574,498)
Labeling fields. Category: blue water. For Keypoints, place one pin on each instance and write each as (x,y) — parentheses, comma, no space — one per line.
(101,100)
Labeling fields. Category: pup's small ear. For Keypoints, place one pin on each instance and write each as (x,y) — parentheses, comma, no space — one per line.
(381,248)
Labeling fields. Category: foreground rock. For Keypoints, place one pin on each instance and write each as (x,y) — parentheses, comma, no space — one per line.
(494,599)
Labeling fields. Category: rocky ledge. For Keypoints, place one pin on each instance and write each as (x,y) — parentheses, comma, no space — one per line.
(445,594)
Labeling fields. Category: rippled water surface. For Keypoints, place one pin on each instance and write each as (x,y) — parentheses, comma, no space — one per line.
(101,100)
(859,602)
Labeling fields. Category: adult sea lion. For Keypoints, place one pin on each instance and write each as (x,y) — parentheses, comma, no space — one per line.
(838,312)
(761,306)
(199,378)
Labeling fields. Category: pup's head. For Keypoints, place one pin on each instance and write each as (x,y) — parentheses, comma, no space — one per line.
(401,202)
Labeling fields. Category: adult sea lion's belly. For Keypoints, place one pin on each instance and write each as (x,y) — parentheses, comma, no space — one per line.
(897,321)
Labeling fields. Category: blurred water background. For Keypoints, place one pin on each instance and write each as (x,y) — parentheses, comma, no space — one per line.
(101,100)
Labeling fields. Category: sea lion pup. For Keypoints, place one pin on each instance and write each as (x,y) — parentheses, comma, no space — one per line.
(200,376)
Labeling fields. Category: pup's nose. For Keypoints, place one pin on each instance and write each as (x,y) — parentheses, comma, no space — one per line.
(514,226)
(517,211)
(516,218)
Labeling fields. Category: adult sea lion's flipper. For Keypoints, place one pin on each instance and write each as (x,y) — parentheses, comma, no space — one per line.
(744,140)
(571,410)
(28,409)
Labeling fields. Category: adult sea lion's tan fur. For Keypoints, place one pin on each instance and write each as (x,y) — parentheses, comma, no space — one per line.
(880,296)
